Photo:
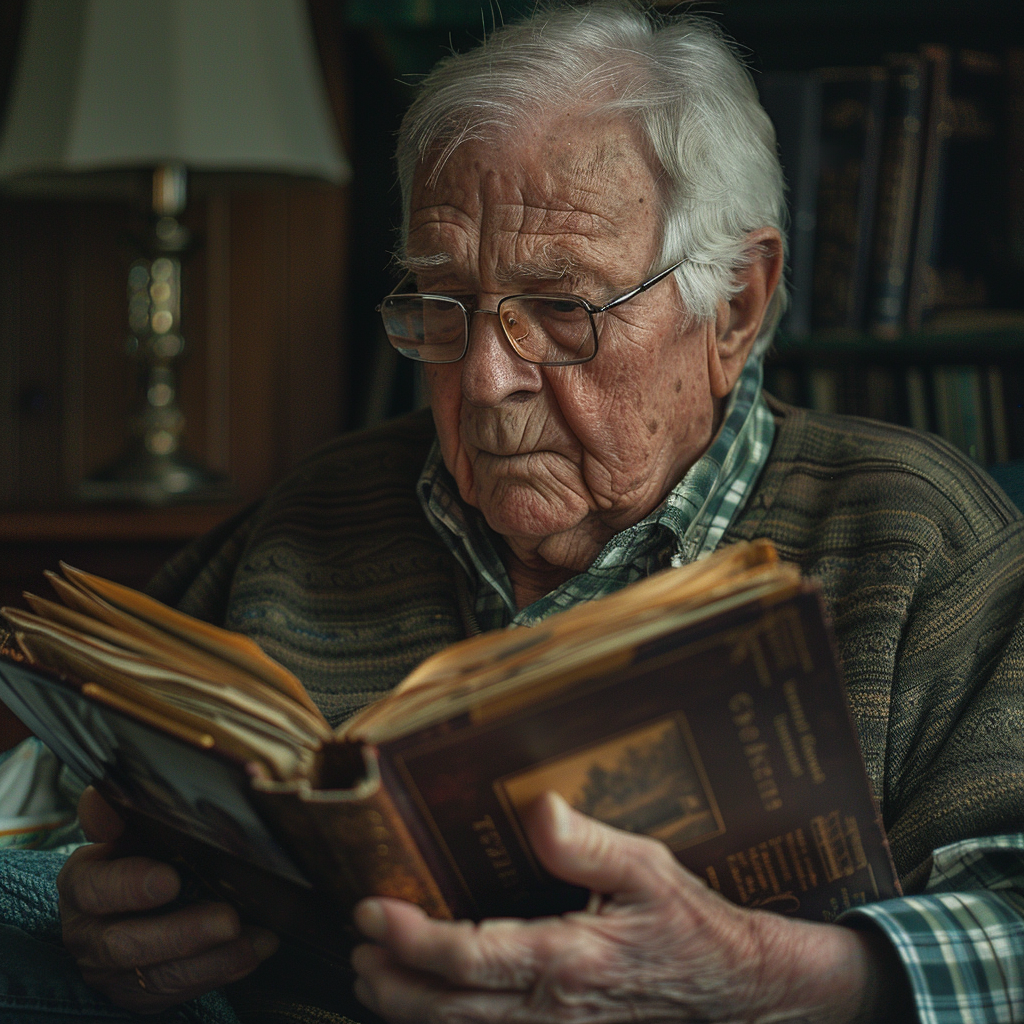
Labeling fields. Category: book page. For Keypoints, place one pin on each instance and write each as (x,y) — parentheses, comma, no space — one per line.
(152,690)
(228,682)
(231,647)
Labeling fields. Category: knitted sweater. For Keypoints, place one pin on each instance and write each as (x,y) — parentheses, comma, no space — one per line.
(921,559)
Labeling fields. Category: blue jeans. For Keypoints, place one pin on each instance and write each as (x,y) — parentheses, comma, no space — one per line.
(39,981)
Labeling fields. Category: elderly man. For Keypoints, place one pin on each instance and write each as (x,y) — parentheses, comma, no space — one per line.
(593,257)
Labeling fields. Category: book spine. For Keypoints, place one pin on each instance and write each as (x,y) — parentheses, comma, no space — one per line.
(922,284)
(997,414)
(352,842)
(852,114)
(793,102)
(969,220)
(1015,164)
(959,261)
(897,195)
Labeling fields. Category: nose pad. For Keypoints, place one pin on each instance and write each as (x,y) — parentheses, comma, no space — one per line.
(516,328)
(491,368)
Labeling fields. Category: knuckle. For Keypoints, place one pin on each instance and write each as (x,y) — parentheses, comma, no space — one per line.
(119,946)
(467,965)
(171,977)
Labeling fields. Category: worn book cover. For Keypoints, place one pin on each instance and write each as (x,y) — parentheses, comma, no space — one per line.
(702,707)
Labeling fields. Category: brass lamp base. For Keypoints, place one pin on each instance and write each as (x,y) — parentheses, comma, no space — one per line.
(153,471)
(142,477)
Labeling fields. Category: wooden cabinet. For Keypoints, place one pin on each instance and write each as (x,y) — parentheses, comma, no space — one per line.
(123,544)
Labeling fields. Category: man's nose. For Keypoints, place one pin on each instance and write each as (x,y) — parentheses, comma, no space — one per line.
(491,368)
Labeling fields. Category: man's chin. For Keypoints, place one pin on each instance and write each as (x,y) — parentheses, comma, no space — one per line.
(526,518)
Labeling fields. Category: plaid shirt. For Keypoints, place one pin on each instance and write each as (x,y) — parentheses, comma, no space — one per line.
(961,941)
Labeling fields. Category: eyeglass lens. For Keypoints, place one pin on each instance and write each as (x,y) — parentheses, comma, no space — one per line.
(551,329)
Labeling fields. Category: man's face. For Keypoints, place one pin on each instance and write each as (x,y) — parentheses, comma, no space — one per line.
(558,459)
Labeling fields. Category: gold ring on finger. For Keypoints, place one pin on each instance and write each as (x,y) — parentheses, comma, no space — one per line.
(141,979)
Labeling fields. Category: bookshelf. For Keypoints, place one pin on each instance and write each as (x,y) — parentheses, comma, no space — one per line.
(952,367)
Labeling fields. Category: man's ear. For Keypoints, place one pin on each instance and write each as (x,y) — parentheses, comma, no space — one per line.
(739,320)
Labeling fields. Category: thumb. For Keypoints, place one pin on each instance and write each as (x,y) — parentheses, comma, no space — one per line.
(100,822)
(584,851)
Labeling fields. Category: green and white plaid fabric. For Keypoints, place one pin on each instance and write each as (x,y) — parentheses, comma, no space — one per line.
(688,524)
(962,940)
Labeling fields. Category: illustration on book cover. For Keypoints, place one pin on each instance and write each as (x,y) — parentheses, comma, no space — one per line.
(648,780)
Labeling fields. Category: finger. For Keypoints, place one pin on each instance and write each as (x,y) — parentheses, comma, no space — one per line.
(501,954)
(130,942)
(584,851)
(92,884)
(153,988)
(100,822)
(402,996)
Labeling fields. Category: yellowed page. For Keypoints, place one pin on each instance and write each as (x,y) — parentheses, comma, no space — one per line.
(137,610)
(251,693)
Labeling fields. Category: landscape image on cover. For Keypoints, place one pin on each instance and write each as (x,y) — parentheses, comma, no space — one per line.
(647,780)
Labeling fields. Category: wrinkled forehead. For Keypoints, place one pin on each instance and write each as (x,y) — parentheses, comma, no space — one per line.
(568,193)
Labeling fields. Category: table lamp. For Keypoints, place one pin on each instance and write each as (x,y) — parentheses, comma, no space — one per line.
(124,99)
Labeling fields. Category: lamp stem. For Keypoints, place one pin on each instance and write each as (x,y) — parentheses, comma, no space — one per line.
(153,471)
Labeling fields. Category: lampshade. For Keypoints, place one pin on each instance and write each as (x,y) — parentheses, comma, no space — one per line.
(107,86)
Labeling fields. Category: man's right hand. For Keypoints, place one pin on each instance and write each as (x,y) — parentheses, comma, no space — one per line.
(146,961)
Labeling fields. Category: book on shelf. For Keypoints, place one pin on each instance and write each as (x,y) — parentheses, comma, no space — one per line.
(852,123)
(897,195)
(959,248)
(702,706)
(793,102)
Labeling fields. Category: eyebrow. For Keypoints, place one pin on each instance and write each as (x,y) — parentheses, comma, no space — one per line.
(414,263)
(559,266)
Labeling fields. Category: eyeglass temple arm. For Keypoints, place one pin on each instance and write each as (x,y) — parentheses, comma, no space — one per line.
(639,288)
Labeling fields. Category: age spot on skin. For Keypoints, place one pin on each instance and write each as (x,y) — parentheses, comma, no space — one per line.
(652,426)
(679,385)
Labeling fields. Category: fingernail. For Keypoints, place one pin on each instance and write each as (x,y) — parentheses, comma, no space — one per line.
(264,943)
(561,816)
(370,920)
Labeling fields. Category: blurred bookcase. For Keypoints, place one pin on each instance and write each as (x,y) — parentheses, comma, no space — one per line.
(901,130)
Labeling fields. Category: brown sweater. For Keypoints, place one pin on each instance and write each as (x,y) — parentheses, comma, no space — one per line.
(921,558)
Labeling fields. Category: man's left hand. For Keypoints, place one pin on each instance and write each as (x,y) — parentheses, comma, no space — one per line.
(660,946)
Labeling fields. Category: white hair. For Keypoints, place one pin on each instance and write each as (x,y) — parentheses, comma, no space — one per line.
(676,78)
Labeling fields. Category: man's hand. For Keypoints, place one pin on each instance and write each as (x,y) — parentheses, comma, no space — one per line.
(143,961)
(661,946)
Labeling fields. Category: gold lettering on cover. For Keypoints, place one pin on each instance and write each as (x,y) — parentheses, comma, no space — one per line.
(496,851)
(839,844)
(796,843)
(755,750)
(796,769)
(860,860)
(808,743)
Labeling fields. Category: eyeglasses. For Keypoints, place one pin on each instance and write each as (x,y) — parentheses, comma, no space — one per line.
(550,330)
